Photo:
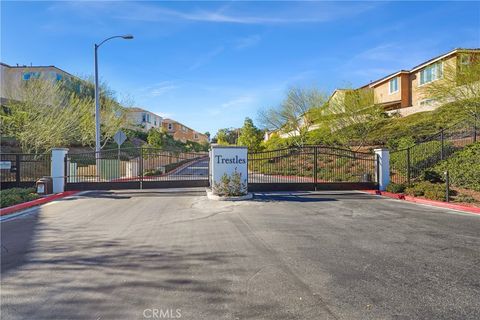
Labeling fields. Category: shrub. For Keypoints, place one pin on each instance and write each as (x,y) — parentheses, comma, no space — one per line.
(10,197)
(464,198)
(232,185)
(396,187)
(153,172)
(463,167)
(431,176)
(433,191)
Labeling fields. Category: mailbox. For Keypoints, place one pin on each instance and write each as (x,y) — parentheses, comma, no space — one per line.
(44,185)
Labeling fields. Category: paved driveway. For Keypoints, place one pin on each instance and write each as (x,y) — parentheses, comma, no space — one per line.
(145,254)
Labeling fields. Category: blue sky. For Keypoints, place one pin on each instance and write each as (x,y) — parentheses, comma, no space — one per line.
(211,64)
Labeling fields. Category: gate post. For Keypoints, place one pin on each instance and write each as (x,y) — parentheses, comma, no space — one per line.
(58,169)
(383,168)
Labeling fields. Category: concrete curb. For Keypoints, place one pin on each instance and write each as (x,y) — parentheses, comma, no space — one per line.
(441,204)
(36,202)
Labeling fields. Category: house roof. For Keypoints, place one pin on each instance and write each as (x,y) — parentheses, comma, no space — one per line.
(422,65)
(137,109)
(442,56)
(35,67)
(388,77)
(175,121)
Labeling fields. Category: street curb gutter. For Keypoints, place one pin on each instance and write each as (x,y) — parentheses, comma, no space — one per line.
(434,203)
(36,202)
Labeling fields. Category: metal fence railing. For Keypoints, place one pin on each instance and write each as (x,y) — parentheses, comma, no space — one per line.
(311,164)
(23,169)
(136,164)
(408,164)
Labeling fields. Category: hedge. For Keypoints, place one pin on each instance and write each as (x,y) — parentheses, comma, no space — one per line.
(13,196)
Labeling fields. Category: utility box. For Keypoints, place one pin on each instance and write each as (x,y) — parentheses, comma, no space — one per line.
(44,186)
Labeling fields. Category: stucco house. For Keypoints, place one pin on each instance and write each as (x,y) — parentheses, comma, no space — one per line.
(183,133)
(12,78)
(401,92)
(143,119)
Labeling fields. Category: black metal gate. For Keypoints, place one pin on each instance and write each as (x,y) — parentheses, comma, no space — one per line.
(136,168)
(312,168)
(23,169)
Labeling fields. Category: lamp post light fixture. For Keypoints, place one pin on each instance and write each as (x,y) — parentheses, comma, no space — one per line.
(97,94)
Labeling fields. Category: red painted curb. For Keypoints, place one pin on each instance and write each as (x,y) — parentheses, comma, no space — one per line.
(435,203)
(36,202)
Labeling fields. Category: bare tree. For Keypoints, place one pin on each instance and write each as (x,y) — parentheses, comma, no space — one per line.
(43,114)
(353,114)
(295,116)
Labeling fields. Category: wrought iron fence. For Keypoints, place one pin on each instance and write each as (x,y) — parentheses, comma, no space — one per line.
(136,164)
(408,164)
(311,164)
(23,169)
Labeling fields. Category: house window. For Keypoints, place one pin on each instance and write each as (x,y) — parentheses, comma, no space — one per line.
(196,135)
(144,117)
(431,73)
(148,118)
(170,126)
(393,85)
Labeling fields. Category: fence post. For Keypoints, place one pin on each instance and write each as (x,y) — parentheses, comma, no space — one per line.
(58,169)
(408,165)
(442,143)
(475,129)
(17,171)
(447,186)
(141,168)
(315,167)
(383,168)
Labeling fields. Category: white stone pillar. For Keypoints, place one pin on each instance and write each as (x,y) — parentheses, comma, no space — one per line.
(228,160)
(58,169)
(382,168)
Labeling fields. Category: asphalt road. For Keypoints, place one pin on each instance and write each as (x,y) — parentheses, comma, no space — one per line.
(132,254)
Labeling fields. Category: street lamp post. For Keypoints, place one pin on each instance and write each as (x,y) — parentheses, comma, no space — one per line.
(97,94)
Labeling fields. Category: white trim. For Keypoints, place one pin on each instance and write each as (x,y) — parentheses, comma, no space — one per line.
(387,78)
(444,56)
(390,87)
(420,72)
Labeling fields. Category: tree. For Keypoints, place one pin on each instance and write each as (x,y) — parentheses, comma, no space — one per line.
(159,138)
(44,114)
(250,135)
(353,115)
(227,136)
(460,82)
(295,116)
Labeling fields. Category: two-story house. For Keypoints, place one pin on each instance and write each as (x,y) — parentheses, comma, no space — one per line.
(12,78)
(143,119)
(183,133)
(402,92)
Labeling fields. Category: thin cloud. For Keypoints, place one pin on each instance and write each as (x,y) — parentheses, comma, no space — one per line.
(159,89)
(236,103)
(234,13)
(206,58)
(248,42)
